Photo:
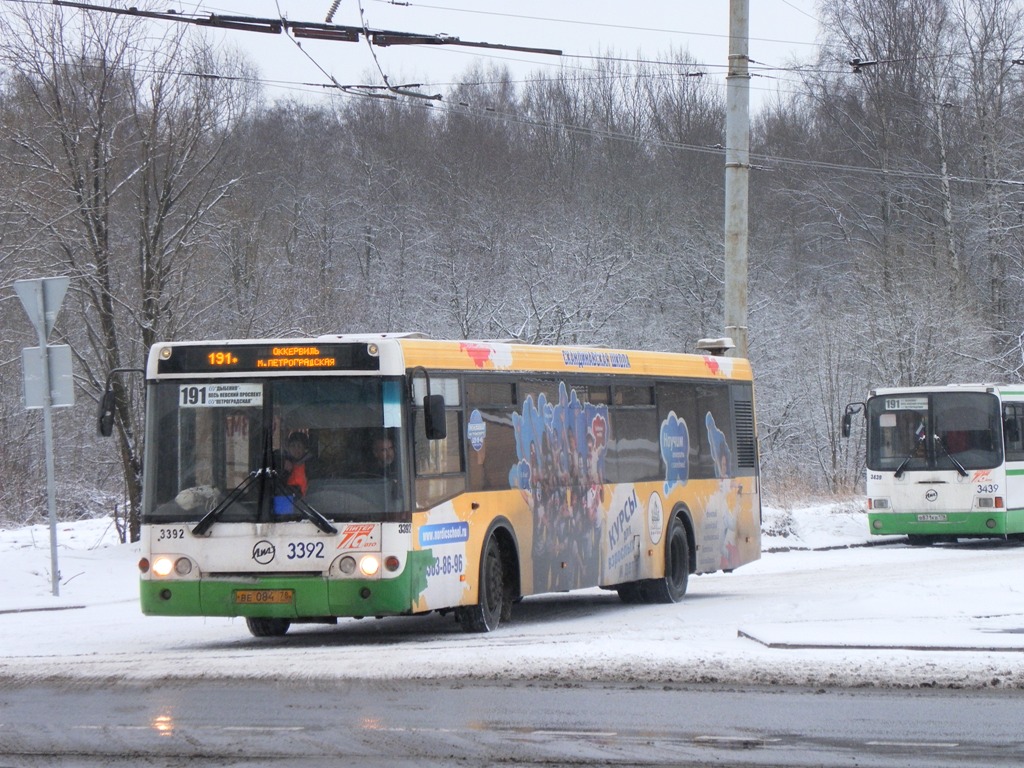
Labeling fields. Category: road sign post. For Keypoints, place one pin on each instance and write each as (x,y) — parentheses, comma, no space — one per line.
(42,299)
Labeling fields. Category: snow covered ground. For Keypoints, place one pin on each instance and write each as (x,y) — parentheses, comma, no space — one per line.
(819,608)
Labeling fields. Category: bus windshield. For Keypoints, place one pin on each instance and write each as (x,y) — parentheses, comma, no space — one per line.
(916,431)
(276,450)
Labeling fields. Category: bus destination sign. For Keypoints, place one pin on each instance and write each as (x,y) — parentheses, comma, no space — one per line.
(265,358)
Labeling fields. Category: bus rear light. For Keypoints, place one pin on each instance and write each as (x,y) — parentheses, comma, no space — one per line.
(391,563)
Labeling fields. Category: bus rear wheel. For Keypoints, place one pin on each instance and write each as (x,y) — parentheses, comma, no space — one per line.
(672,587)
(260,627)
(495,603)
(630,592)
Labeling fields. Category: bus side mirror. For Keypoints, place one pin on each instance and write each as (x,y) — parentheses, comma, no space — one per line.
(434,422)
(105,414)
(851,409)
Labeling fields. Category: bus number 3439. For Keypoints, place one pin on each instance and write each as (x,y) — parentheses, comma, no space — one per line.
(446,565)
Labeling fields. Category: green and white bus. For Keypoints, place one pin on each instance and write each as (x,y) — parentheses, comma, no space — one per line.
(944,462)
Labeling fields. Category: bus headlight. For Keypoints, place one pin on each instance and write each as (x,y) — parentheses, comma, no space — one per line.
(162,566)
(878,503)
(369,565)
(167,565)
(361,565)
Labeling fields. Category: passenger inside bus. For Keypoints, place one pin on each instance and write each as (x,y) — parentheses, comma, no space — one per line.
(296,455)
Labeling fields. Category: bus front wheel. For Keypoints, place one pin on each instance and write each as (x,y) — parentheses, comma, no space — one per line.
(260,627)
(494,602)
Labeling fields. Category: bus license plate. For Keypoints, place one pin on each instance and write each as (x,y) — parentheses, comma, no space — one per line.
(264,596)
(932,518)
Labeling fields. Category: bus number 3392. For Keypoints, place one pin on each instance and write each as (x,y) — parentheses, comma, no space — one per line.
(305,550)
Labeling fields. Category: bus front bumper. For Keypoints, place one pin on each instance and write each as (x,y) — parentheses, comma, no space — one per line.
(979,523)
(285,597)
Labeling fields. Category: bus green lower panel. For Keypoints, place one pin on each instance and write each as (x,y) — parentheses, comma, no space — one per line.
(989,523)
(312,596)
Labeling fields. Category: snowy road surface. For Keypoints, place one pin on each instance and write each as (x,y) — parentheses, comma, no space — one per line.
(818,609)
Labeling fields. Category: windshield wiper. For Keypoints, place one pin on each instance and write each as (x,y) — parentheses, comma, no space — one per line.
(207,520)
(903,467)
(945,450)
(263,474)
(305,509)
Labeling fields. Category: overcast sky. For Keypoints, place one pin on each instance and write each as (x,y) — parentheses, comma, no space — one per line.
(779,31)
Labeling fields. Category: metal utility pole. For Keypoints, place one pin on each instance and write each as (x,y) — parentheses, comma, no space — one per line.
(737,172)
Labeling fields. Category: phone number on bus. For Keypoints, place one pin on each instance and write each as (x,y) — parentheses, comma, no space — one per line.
(447,565)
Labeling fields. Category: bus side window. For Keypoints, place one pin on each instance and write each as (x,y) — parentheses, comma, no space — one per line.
(491,438)
(634,452)
(440,463)
(1013,434)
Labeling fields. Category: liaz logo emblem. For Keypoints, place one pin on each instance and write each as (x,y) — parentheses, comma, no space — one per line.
(358,536)
(932,495)
(263,552)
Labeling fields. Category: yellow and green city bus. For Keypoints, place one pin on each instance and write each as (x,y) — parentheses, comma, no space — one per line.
(508,470)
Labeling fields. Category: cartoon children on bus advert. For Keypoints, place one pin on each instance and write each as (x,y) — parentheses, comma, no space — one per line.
(561,449)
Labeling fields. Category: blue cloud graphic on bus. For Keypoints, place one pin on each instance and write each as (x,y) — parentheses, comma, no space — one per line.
(720,450)
(675,451)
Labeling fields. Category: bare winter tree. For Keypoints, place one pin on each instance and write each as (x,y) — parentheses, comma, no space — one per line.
(582,206)
(121,146)
(992,34)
